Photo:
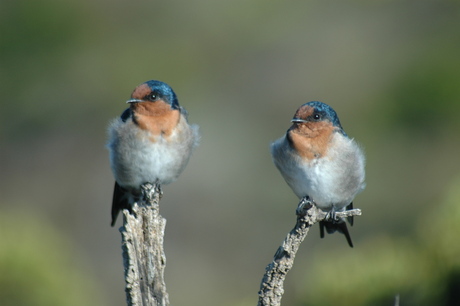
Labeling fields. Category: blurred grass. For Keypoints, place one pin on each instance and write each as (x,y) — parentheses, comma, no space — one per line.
(241,68)
(39,267)
(424,99)
(422,268)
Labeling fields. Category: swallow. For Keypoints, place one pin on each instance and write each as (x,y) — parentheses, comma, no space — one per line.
(151,142)
(321,163)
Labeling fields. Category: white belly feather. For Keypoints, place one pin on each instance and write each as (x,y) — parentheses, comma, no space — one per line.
(332,180)
(136,159)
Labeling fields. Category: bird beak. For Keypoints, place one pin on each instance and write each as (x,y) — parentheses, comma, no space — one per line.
(298,120)
(134,101)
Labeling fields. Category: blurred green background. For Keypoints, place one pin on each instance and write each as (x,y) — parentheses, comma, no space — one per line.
(391,70)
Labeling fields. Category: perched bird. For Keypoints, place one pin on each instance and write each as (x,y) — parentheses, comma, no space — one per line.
(151,142)
(319,162)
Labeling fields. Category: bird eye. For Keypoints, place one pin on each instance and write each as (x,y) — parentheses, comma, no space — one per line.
(316,116)
(152,97)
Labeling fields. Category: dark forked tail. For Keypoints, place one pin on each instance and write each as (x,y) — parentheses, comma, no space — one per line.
(338,225)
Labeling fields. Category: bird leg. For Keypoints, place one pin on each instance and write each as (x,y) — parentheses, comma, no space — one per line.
(331,216)
(304,204)
(158,187)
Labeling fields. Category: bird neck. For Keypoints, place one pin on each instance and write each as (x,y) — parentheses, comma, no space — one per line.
(156,117)
(311,140)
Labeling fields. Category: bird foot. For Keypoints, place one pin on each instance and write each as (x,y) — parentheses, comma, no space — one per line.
(331,216)
(305,204)
(149,189)
(158,188)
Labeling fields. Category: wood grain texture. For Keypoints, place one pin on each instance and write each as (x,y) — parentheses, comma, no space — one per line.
(272,285)
(143,253)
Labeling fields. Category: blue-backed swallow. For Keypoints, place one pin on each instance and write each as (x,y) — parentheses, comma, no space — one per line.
(151,142)
(319,161)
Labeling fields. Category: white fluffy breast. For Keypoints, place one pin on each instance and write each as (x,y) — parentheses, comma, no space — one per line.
(332,180)
(137,157)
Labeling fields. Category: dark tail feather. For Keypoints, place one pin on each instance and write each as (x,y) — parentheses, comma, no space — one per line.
(321,228)
(332,227)
(350,219)
(118,202)
(342,228)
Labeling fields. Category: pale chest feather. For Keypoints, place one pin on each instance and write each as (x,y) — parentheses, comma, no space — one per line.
(332,173)
(139,155)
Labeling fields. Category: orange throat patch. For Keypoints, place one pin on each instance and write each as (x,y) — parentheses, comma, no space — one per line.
(156,117)
(311,140)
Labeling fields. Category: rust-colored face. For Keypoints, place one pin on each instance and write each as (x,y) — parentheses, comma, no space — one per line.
(304,112)
(146,102)
(141,91)
(152,113)
(310,134)
(310,123)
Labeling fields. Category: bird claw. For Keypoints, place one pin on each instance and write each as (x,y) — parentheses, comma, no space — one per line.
(331,216)
(304,204)
(158,188)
